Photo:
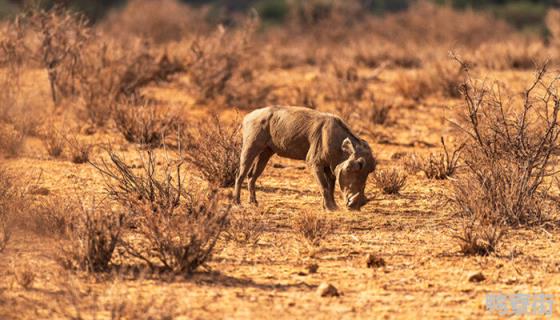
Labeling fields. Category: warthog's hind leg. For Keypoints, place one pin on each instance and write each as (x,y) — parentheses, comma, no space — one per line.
(256,170)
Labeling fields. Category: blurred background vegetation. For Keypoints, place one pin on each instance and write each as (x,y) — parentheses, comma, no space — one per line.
(526,15)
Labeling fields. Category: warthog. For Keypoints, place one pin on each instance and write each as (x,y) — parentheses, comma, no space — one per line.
(323,140)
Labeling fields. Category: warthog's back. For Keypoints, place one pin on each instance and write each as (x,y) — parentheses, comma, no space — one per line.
(289,129)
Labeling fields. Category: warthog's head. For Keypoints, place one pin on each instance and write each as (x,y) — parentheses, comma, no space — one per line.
(353,172)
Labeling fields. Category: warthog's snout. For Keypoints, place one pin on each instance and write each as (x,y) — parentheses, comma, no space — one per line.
(356,201)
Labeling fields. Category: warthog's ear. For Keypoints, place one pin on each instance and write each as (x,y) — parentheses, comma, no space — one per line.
(348,147)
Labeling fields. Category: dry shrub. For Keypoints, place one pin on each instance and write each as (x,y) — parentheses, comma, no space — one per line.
(176,227)
(516,53)
(160,21)
(390,181)
(312,227)
(146,124)
(62,35)
(507,157)
(446,27)
(222,68)
(161,188)
(183,238)
(214,149)
(345,91)
(246,226)
(103,65)
(95,234)
(112,73)
(435,78)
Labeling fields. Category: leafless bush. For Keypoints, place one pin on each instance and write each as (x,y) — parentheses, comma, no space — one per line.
(219,70)
(508,150)
(158,188)
(390,181)
(177,227)
(62,35)
(245,226)
(145,124)
(92,241)
(442,165)
(214,149)
(439,77)
(183,238)
(160,21)
(312,226)
(346,90)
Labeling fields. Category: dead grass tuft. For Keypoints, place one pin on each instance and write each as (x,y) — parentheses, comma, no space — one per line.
(390,181)
(312,227)
(246,226)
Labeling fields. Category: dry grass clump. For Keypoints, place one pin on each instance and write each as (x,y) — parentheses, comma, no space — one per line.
(245,226)
(312,227)
(24,275)
(214,148)
(54,141)
(442,165)
(479,237)
(79,149)
(96,232)
(52,216)
(146,124)
(379,112)
(390,181)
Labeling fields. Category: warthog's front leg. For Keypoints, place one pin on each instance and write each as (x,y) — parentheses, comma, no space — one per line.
(327,188)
